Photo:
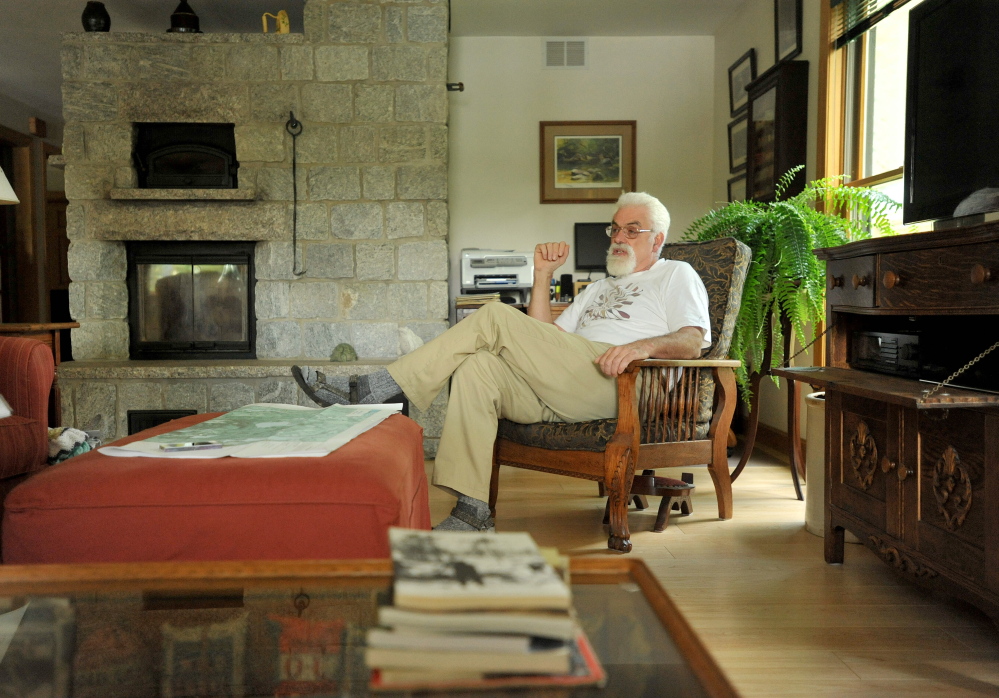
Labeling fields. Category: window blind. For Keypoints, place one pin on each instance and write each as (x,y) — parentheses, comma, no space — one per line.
(851,18)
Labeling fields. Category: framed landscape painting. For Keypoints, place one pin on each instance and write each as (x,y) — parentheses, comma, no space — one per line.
(737,188)
(787,29)
(586,161)
(738,133)
(740,74)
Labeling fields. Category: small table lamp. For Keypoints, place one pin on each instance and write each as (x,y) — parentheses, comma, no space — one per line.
(7,195)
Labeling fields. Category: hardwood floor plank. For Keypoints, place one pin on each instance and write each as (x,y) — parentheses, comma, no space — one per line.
(756,589)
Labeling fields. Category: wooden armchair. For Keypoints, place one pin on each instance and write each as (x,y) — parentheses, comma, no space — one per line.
(670,413)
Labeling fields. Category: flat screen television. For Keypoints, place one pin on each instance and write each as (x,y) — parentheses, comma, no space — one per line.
(591,243)
(951,119)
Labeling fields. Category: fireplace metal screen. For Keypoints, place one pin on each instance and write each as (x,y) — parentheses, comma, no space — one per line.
(191,300)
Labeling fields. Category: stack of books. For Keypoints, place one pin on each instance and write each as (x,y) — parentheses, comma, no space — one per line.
(474,300)
(476,610)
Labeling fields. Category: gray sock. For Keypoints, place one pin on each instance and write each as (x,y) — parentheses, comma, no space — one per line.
(319,387)
(468,515)
(376,387)
(372,388)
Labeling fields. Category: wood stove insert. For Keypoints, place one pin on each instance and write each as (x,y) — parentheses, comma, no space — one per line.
(191,300)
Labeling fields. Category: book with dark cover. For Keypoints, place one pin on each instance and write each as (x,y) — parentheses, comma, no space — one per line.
(584,669)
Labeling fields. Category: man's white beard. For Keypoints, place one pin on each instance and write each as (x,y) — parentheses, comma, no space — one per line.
(620,266)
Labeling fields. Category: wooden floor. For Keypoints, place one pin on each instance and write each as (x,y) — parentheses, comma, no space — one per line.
(777,618)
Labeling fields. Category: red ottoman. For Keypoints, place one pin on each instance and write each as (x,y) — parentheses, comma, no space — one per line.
(97,508)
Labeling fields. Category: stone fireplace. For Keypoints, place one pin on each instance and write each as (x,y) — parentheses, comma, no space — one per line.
(367,82)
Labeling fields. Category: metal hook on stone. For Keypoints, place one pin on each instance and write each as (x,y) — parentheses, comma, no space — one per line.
(294,127)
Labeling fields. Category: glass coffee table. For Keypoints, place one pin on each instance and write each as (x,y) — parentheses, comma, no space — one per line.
(292,628)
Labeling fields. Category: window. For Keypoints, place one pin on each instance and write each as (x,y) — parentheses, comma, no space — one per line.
(868,57)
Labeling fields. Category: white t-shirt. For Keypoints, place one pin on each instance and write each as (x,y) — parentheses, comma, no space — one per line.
(650,303)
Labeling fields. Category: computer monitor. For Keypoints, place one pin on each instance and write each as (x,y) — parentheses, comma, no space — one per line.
(591,243)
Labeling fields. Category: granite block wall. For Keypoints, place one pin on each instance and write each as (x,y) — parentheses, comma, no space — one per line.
(367,82)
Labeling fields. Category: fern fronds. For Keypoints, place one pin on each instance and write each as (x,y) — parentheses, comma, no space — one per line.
(785,278)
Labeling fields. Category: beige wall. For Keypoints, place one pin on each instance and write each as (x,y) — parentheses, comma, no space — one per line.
(664,83)
(752,26)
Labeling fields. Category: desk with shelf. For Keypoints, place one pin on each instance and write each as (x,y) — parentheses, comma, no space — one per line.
(913,472)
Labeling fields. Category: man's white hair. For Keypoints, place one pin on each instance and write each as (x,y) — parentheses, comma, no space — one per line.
(658,214)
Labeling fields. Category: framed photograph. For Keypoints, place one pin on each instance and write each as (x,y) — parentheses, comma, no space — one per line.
(787,29)
(740,74)
(738,132)
(737,188)
(586,161)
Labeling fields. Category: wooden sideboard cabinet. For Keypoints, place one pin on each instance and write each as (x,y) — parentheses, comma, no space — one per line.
(913,474)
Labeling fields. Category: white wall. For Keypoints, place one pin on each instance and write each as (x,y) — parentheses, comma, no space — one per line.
(664,83)
(752,26)
(14,115)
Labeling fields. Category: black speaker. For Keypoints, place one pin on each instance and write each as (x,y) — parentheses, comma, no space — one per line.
(566,287)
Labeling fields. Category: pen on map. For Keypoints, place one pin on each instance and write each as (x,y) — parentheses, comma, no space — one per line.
(191,446)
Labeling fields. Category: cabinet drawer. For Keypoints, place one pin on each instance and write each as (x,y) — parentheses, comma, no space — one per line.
(851,282)
(966,276)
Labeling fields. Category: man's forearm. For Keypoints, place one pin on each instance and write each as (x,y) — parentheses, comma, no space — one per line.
(685,343)
(540,307)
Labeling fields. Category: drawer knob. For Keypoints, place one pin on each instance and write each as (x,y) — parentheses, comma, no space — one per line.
(835,281)
(887,465)
(980,274)
(891,279)
(904,472)
(859,281)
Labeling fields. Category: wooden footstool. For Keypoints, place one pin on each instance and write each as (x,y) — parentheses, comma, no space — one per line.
(675,496)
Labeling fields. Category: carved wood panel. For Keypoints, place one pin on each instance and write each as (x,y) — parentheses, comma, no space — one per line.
(863,455)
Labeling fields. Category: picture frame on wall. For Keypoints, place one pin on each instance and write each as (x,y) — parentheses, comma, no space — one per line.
(740,74)
(737,188)
(787,29)
(586,161)
(738,142)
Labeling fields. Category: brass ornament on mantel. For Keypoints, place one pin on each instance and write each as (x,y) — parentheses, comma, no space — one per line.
(952,489)
(864,455)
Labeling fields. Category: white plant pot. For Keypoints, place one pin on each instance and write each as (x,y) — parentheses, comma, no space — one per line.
(815,466)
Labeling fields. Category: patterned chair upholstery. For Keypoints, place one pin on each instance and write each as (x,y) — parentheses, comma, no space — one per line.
(670,413)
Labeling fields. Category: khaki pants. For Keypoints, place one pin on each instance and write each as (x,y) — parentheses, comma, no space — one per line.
(502,364)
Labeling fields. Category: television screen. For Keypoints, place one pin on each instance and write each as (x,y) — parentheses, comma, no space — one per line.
(952,124)
(591,243)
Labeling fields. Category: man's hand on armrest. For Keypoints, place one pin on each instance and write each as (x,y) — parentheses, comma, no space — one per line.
(685,343)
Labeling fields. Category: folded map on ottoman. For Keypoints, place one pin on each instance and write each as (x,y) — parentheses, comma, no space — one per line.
(262,430)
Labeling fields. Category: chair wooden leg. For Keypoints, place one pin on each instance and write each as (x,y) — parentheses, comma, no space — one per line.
(494,488)
(718,467)
(617,481)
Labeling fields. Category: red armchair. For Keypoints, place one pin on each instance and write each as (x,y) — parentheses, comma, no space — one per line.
(26,373)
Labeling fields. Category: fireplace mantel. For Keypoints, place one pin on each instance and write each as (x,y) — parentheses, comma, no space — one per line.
(184,194)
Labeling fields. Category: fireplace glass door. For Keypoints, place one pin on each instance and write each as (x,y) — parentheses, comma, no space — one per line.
(191,300)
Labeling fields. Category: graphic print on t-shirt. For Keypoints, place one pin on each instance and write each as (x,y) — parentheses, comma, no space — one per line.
(610,304)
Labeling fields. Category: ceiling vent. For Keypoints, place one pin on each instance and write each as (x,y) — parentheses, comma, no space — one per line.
(565,53)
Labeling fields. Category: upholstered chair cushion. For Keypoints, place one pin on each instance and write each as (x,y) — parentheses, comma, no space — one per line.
(23,445)
(560,436)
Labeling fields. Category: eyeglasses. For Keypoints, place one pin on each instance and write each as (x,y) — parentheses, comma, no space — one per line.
(630,232)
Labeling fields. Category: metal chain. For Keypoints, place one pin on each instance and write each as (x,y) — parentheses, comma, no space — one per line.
(787,363)
(929,392)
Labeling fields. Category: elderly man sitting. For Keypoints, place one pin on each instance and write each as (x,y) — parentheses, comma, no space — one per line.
(527,368)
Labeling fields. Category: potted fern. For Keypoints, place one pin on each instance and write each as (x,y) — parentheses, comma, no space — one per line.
(784,291)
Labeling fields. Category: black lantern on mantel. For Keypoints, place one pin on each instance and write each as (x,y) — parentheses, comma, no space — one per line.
(183,19)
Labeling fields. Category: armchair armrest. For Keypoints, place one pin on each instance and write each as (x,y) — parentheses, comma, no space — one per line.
(692,363)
